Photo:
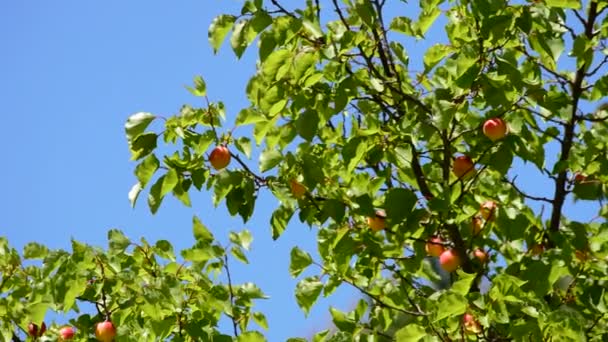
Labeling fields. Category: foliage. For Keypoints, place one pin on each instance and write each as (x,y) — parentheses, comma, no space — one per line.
(344,125)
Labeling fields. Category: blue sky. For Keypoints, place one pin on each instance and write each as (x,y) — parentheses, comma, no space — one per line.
(71,72)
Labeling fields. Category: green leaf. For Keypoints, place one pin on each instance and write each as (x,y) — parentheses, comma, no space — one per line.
(143,145)
(399,204)
(238,41)
(376,84)
(320,336)
(249,116)
(307,125)
(164,249)
(403,25)
(342,321)
(243,238)
(434,55)
(260,320)
(427,18)
(299,261)
(530,311)
(237,252)
(303,65)
(219,28)
(307,292)
(508,288)
(277,107)
(279,220)
(137,124)
(451,304)
(269,159)
(37,311)
(566,323)
(245,31)
(224,183)
(243,144)
(117,240)
(411,332)
(134,193)
(502,159)
(198,254)
(463,284)
(251,336)
(75,287)
(588,190)
(261,130)
(367,13)
(180,191)
(251,291)
(572,4)
(201,233)
(200,88)
(146,169)
(335,209)
(353,152)
(274,61)
(169,181)
(35,250)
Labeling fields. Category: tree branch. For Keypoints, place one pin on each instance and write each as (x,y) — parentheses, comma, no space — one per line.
(258,178)
(560,183)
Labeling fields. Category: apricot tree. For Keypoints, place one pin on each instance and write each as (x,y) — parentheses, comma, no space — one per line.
(387,155)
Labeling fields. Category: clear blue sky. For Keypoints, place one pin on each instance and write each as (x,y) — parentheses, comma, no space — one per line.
(71,72)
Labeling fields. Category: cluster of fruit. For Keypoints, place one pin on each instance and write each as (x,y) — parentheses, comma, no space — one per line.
(495,129)
(463,168)
(449,259)
(104,331)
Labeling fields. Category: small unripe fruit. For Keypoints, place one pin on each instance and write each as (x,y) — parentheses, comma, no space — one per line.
(471,325)
(377,222)
(463,167)
(66,333)
(481,255)
(105,331)
(219,157)
(449,260)
(488,210)
(297,189)
(495,129)
(434,247)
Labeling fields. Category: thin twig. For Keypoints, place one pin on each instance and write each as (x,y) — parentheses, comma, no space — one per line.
(236,157)
(534,198)
(231,291)
(104,300)
(371,295)
(598,67)
(282,9)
